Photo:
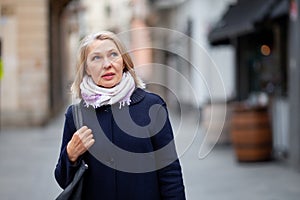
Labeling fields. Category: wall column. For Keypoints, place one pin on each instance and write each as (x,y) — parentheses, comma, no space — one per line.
(294,84)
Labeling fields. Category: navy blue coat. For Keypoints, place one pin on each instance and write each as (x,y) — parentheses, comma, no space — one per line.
(113,176)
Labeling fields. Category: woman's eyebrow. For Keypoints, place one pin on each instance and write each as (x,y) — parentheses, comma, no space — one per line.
(95,52)
(112,49)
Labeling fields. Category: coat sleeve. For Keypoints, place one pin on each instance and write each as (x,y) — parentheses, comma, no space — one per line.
(65,169)
(169,169)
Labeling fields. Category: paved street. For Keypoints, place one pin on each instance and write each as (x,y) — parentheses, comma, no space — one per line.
(28,157)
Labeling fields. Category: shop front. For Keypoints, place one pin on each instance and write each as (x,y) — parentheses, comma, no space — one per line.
(259,32)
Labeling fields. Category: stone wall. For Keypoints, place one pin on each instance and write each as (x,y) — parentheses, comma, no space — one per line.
(24,87)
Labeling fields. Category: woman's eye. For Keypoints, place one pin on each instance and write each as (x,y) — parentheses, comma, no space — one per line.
(96,58)
(114,54)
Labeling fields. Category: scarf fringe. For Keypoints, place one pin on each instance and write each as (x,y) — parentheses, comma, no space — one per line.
(96,96)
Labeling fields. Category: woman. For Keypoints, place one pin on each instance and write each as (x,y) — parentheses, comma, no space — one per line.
(106,81)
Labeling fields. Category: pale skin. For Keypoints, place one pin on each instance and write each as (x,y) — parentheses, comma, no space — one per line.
(105,66)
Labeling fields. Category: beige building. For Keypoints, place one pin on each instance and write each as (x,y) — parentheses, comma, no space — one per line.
(36,58)
(24,46)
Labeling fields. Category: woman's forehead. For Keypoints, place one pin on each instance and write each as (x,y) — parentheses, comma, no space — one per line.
(102,46)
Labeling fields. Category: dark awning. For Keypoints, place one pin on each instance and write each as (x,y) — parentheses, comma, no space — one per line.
(241,18)
(282,8)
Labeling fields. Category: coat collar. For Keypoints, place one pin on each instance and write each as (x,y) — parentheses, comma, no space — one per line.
(137,96)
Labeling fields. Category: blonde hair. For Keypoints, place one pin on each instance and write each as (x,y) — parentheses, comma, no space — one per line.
(82,57)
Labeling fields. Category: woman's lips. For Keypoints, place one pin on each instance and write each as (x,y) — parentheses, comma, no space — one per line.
(108,76)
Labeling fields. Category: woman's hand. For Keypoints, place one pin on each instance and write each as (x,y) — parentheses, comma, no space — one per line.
(81,141)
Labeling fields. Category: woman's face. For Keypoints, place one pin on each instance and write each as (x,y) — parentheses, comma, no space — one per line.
(104,63)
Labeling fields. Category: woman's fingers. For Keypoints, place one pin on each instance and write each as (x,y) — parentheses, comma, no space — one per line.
(83,132)
(90,143)
(86,136)
(81,141)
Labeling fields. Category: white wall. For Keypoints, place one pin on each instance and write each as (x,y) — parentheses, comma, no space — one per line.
(213,66)
(95,17)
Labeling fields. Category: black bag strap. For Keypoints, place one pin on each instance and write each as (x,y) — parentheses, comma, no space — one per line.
(77,115)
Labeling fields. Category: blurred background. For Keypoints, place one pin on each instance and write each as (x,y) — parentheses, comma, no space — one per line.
(240,57)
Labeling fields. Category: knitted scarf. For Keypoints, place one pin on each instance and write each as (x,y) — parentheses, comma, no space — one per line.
(96,96)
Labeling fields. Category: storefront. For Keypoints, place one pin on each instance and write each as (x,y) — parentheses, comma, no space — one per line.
(259,31)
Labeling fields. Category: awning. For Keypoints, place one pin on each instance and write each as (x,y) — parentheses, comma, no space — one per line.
(280,9)
(242,17)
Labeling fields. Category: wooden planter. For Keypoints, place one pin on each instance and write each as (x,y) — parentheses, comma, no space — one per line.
(251,134)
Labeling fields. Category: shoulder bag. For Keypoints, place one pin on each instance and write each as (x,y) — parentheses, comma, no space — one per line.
(74,190)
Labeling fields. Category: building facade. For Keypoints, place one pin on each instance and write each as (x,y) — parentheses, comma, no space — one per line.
(25,83)
(39,39)
(209,70)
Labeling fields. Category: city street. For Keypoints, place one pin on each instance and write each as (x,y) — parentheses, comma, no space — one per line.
(28,157)
(241,56)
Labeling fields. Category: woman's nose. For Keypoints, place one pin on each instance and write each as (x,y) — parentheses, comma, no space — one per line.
(107,63)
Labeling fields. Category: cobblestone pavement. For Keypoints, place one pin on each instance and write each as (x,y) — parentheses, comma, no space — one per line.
(28,157)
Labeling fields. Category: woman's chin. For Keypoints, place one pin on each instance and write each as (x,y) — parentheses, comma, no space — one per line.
(107,85)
